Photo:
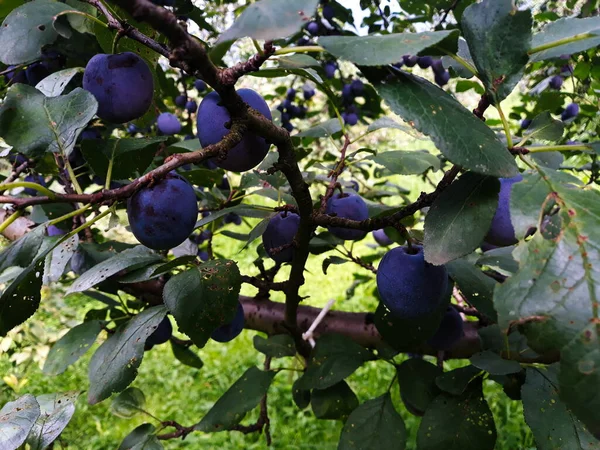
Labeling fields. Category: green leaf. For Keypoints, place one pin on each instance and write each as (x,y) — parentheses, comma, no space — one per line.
(158,269)
(54,84)
(335,402)
(57,260)
(16,421)
(477,287)
(141,438)
(390,47)
(566,28)
(461,137)
(386,122)
(456,381)
(22,251)
(78,22)
(324,129)
(301,397)
(56,411)
(544,127)
(458,423)
(255,212)
(128,403)
(332,260)
(241,397)
(374,425)
(298,61)
(277,346)
(460,217)
(406,162)
(500,259)
(270,19)
(526,200)
(203,298)
(494,363)
(72,346)
(114,365)
(416,378)
(203,177)
(27,29)
(133,258)
(186,356)
(33,123)
(334,358)
(550,421)
(498,36)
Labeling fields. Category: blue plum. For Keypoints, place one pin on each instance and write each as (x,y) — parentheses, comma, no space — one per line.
(38,179)
(280,232)
(358,88)
(203,255)
(437,66)
(525,123)
(230,331)
(36,72)
(180,100)
(382,238)
(442,78)
(162,334)
(348,206)
(308,92)
(501,232)
(191,106)
(330,67)
(211,120)
(410,60)
(200,85)
(570,111)
(232,218)
(408,285)
(53,230)
(15,76)
(122,85)
(425,62)
(168,124)
(351,118)
(313,28)
(328,12)
(449,332)
(556,82)
(164,214)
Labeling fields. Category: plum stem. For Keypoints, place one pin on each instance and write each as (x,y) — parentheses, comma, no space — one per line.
(506,127)
(304,49)
(30,185)
(559,148)
(559,42)
(14,216)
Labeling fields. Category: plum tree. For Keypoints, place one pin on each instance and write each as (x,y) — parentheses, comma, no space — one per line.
(212,118)
(279,236)
(163,215)
(449,332)
(409,286)
(347,206)
(231,330)
(168,123)
(122,85)
(502,232)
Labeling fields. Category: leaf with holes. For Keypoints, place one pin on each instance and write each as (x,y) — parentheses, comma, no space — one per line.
(56,411)
(16,421)
(33,123)
(54,84)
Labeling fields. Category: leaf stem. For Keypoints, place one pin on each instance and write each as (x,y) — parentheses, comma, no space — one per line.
(305,49)
(463,62)
(14,216)
(86,15)
(558,148)
(72,176)
(506,127)
(30,185)
(549,45)
(71,214)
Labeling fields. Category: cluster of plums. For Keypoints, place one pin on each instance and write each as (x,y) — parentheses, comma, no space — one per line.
(440,75)
(50,62)
(350,91)
(291,111)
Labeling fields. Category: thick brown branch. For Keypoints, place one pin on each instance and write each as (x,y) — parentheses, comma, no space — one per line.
(231,75)
(335,173)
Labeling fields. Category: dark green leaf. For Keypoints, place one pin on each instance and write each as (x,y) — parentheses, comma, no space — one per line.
(204,298)
(141,438)
(33,123)
(494,364)
(114,365)
(27,29)
(566,28)
(72,346)
(186,356)
(301,397)
(455,382)
(240,398)
(128,403)
(390,47)
(256,212)
(56,411)
(332,260)
(500,259)
(458,423)
(374,425)
(543,126)
(406,162)
(386,122)
(276,346)
(203,177)
(416,378)
(460,217)
(461,137)
(324,129)
(22,251)
(335,402)
(16,421)
(334,358)
(498,36)
(158,269)
(269,19)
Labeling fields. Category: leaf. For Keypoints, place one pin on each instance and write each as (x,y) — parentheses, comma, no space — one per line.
(334,402)
(494,363)
(141,438)
(460,217)
(500,259)
(186,356)
(456,132)
(301,397)
(80,23)
(16,421)
(550,421)
(324,129)
(543,126)
(158,269)
(241,397)
(334,358)
(562,29)
(526,200)
(133,258)
(54,84)
(56,261)
(255,212)
(27,29)
(72,346)
(416,378)
(22,251)
(477,287)
(129,155)
(270,19)
(386,122)
(332,260)
(297,61)
(456,381)
(498,36)
(203,177)
(203,298)
(277,346)
(114,365)
(56,411)
(33,123)
(390,47)
(128,403)
(458,423)
(400,162)
(374,424)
